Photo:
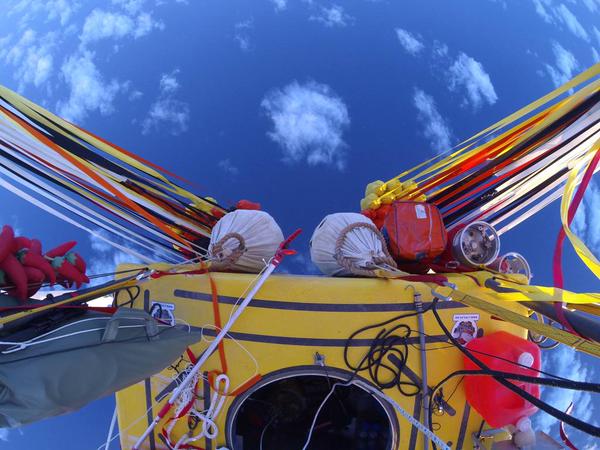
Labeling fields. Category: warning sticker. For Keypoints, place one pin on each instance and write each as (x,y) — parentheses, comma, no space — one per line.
(465,327)
(163,311)
(421,211)
(458,317)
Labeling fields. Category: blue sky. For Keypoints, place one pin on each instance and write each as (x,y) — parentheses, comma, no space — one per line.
(297,104)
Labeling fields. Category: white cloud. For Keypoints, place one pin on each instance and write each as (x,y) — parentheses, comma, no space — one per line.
(4,432)
(279,5)
(565,362)
(135,95)
(579,224)
(145,24)
(15,53)
(61,10)
(595,55)
(169,83)
(469,74)
(131,6)
(243,42)
(592,5)
(597,34)
(108,25)
(88,89)
(409,42)
(561,14)
(242,36)
(565,65)
(166,109)
(540,9)
(226,166)
(308,123)
(571,22)
(436,130)
(31,56)
(440,50)
(586,223)
(106,258)
(334,16)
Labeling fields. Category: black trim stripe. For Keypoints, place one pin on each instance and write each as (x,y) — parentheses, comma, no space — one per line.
(463,426)
(416,415)
(207,400)
(312,342)
(306,342)
(323,307)
(148,386)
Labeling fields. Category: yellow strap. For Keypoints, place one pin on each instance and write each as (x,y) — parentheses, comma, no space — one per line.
(579,79)
(128,282)
(530,324)
(42,115)
(556,111)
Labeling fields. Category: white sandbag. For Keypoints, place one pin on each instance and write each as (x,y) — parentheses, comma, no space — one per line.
(348,244)
(243,240)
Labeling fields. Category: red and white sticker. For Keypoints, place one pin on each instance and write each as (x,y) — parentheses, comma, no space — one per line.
(163,311)
(421,212)
(465,327)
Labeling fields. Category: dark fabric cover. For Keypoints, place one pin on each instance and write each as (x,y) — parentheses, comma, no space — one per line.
(63,375)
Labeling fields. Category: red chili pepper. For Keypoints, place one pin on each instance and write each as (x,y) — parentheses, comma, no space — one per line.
(35,278)
(6,241)
(61,249)
(16,274)
(36,246)
(37,261)
(20,243)
(68,271)
(79,263)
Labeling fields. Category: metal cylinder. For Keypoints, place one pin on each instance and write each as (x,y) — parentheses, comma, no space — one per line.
(512,263)
(476,245)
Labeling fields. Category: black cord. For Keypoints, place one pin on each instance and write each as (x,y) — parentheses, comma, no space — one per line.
(515,363)
(502,378)
(387,354)
(132,296)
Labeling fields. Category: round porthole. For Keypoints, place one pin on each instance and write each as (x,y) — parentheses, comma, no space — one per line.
(277,413)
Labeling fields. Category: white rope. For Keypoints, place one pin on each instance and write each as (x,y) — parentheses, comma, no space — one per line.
(314,421)
(131,425)
(422,428)
(209,428)
(248,286)
(18,346)
(111,428)
(374,391)
(250,355)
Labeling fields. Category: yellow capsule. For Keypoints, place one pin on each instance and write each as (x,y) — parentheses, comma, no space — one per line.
(364,204)
(387,199)
(409,185)
(375,203)
(394,185)
(373,187)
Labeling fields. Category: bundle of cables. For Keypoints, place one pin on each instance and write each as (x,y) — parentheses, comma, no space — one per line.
(93,184)
(387,355)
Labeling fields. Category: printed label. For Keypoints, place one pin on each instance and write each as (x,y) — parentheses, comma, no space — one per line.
(465,327)
(473,317)
(163,311)
(421,211)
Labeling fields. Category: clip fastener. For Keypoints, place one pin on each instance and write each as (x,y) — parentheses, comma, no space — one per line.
(442,297)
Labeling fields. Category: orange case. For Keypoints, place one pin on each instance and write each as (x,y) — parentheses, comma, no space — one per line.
(415,231)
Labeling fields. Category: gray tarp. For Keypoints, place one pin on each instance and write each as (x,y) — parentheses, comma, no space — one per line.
(63,375)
